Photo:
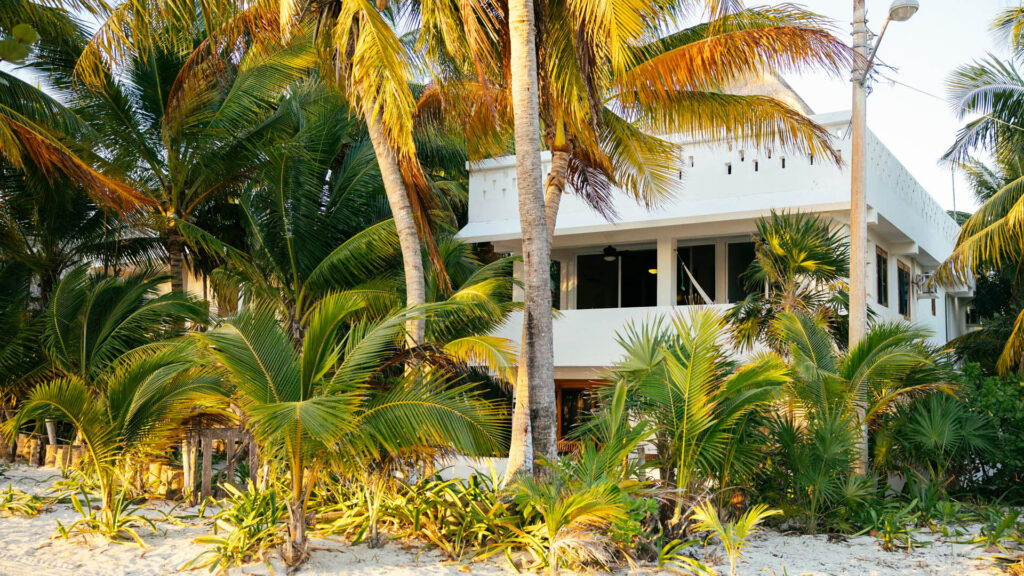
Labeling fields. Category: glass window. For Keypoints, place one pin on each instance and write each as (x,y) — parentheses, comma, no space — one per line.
(639,278)
(700,261)
(597,282)
(629,280)
(739,257)
(556,284)
(903,286)
(575,408)
(882,276)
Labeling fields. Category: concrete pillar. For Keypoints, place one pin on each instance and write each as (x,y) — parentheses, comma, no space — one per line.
(667,272)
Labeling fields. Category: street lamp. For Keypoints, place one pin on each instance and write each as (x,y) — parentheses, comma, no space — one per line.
(899,11)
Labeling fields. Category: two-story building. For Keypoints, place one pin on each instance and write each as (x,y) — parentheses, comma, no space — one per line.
(610,273)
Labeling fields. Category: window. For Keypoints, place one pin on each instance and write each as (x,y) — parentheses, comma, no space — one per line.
(700,261)
(739,257)
(903,288)
(575,408)
(882,276)
(556,284)
(629,280)
(639,278)
(598,282)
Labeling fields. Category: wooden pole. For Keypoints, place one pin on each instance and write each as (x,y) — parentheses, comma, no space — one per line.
(207,478)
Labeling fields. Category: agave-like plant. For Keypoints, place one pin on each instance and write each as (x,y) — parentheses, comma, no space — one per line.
(332,398)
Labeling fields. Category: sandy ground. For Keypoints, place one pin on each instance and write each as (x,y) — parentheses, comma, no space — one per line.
(27,549)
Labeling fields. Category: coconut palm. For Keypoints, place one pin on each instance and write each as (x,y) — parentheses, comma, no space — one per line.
(698,401)
(989,95)
(132,406)
(317,222)
(600,101)
(92,321)
(180,111)
(800,263)
(332,399)
(37,131)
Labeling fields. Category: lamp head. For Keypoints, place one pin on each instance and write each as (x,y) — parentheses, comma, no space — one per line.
(610,254)
(903,10)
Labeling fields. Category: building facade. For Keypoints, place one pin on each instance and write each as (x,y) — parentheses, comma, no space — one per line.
(691,250)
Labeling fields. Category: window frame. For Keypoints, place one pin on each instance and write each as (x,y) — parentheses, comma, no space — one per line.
(904,267)
(882,281)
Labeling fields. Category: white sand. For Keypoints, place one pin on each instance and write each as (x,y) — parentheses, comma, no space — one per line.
(26,549)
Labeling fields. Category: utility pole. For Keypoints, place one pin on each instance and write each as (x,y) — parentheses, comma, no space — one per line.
(900,11)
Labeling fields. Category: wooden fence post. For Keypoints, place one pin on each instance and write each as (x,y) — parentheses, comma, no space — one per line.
(207,479)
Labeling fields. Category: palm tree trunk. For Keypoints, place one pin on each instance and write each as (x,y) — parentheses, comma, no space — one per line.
(521,433)
(295,539)
(536,357)
(176,259)
(405,222)
(554,188)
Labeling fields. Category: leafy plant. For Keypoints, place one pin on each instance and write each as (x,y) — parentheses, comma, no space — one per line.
(733,535)
(566,522)
(673,557)
(115,522)
(893,526)
(331,399)
(698,402)
(1000,526)
(246,527)
(14,502)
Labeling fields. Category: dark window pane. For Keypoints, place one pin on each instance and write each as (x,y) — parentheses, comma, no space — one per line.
(700,260)
(556,284)
(639,286)
(903,287)
(882,278)
(740,255)
(598,282)
(573,409)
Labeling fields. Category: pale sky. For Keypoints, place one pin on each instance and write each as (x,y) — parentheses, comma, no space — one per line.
(917,127)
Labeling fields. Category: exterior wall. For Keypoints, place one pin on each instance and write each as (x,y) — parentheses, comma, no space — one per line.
(724,189)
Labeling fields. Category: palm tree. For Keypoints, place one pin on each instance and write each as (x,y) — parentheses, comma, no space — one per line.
(92,321)
(890,365)
(800,263)
(697,400)
(332,399)
(132,406)
(990,239)
(317,222)
(365,55)
(600,101)
(109,371)
(37,130)
(180,106)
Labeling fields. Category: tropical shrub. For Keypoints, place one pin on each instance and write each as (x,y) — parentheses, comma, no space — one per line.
(935,440)
(699,403)
(1000,399)
(331,399)
(126,392)
(732,535)
(245,528)
(831,401)
(114,520)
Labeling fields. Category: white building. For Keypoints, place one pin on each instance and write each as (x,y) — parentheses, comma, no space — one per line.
(709,227)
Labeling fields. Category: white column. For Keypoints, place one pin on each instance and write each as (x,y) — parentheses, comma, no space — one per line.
(666,271)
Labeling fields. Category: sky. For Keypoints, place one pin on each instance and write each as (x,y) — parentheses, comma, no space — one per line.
(912,117)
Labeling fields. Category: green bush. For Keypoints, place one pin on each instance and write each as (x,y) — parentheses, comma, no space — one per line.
(248,525)
(1001,399)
